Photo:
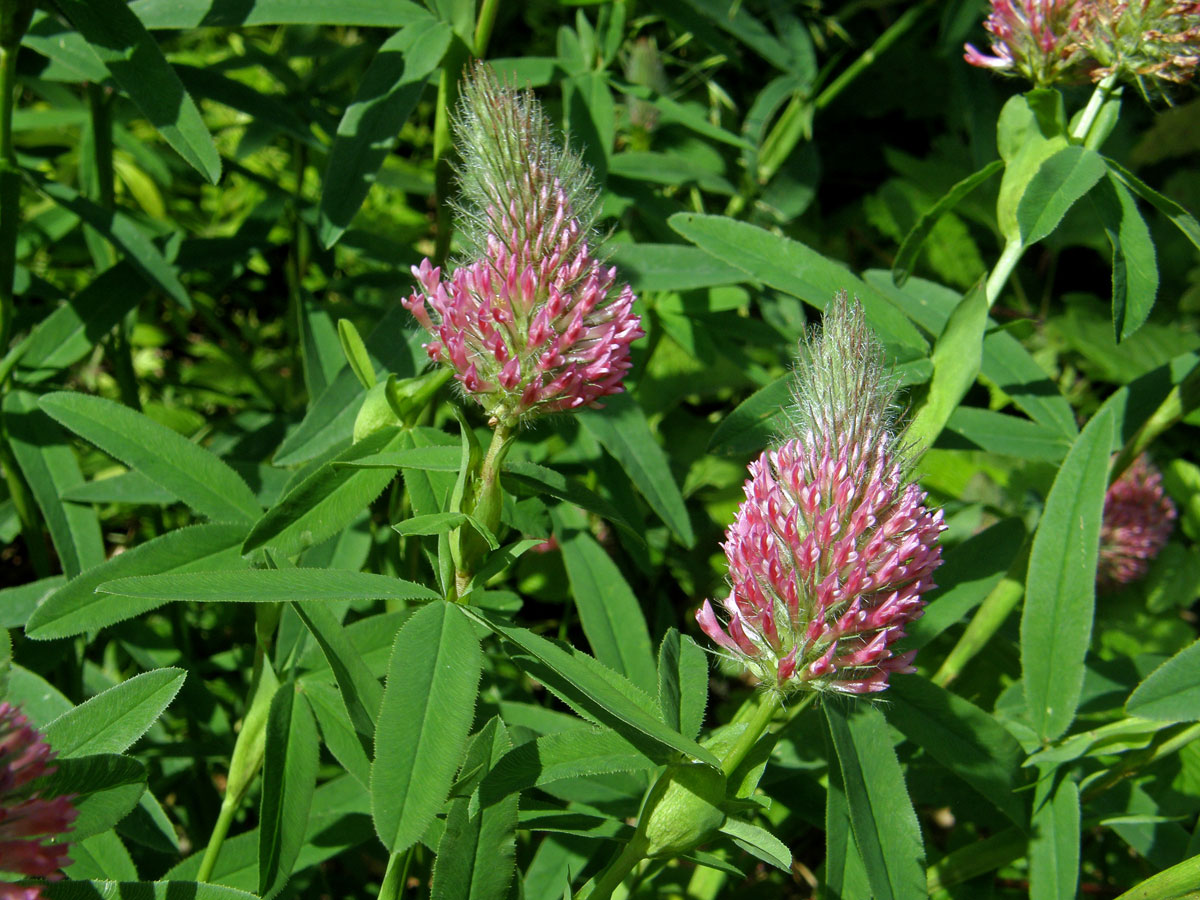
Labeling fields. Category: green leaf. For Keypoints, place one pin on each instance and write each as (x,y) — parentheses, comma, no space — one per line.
(337,731)
(845,874)
(360,690)
(171,461)
(611,616)
(388,93)
(444,523)
(622,429)
(607,696)
(18,603)
(1061,180)
(794,268)
(881,813)
(957,357)
(1180,217)
(1135,263)
(427,459)
(106,788)
(267,586)
(187,14)
(1054,845)
(76,608)
(356,353)
(1171,693)
(682,683)
(48,464)
(542,480)
(477,853)
(428,706)
(288,781)
(906,256)
(565,755)
(755,421)
(995,432)
(967,741)
(759,842)
(71,331)
(671,267)
(124,232)
(328,500)
(1060,588)
(140,890)
(129,487)
(113,720)
(127,50)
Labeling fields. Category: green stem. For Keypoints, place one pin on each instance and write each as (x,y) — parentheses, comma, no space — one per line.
(216,840)
(617,871)
(1181,400)
(1103,91)
(768,705)
(10,193)
(14,19)
(996,607)
(250,747)
(395,876)
(484,25)
(485,506)
(893,33)
(1008,260)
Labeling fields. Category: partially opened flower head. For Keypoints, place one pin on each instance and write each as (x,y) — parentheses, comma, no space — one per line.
(833,547)
(1138,518)
(1039,39)
(530,321)
(31,826)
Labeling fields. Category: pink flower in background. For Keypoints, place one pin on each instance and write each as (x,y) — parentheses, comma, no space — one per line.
(533,322)
(1138,518)
(30,825)
(833,548)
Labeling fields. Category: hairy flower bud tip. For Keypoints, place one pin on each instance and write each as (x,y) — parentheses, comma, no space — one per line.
(531,322)
(30,825)
(831,551)
(1138,517)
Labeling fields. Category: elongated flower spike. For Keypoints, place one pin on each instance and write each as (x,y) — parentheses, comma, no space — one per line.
(530,321)
(833,547)
(1138,518)
(31,826)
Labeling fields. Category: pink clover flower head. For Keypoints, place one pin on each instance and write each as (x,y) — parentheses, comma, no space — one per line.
(1138,518)
(1039,39)
(531,321)
(30,825)
(831,551)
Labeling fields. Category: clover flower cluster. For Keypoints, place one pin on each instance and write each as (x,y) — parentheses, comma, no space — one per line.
(30,824)
(1138,517)
(1040,39)
(532,322)
(1048,41)
(831,551)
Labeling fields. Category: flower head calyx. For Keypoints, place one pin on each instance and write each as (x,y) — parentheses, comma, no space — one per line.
(833,547)
(530,320)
